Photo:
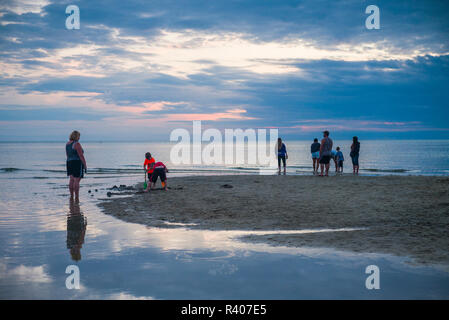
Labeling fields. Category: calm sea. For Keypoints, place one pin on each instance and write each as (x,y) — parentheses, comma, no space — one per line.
(41,233)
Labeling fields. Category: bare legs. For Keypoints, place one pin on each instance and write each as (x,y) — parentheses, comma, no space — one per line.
(315,165)
(355,165)
(322,165)
(279,165)
(152,185)
(285,170)
(71,189)
(74,187)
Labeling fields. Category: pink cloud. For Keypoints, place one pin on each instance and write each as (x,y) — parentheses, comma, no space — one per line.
(233,114)
(318,125)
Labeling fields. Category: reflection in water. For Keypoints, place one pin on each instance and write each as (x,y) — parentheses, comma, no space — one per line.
(76,230)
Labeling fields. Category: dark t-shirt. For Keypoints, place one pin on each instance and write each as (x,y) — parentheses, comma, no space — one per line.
(355,149)
(315,147)
(282,151)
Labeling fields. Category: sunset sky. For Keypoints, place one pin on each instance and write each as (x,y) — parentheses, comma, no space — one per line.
(138,69)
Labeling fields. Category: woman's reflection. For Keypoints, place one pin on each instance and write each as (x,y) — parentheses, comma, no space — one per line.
(76,230)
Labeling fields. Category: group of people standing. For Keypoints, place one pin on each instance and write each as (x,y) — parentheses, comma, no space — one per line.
(322,154)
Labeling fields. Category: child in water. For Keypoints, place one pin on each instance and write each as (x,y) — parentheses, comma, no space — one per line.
(339,159)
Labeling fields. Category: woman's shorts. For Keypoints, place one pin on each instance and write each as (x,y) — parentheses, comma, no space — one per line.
(279,160)
(75,168)
(325,159)
(159,172)
(355,160)
(316,155)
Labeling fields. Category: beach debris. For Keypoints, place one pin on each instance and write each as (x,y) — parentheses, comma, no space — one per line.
(96,190)
(228,186)
(89,191)
(109,194)
(122,187)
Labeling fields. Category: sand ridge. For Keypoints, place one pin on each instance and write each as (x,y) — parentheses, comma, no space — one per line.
(403,215)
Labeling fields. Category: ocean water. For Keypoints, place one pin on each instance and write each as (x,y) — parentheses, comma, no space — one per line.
(42,233)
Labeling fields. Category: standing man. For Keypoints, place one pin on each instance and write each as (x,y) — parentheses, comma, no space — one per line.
(325,152)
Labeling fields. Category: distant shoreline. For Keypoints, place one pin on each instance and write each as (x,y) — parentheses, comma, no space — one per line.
(135,170)
(171,142)
(402,215)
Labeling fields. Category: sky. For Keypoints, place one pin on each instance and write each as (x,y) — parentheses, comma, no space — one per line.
(138,69)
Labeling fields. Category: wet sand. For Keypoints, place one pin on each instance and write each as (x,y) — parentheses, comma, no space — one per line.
(403,215)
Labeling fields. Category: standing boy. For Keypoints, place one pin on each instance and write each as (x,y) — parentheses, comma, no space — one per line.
(339,158)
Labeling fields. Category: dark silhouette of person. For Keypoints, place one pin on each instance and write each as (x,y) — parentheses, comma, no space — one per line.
(76,230)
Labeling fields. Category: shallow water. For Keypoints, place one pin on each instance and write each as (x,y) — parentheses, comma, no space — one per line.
(41,234)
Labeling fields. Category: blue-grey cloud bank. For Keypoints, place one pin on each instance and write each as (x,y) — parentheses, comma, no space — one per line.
(135,70)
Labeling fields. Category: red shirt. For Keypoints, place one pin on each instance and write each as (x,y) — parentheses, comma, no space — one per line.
(147,164)
(159,165)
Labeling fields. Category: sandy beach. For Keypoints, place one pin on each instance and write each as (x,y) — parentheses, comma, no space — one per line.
(400,215)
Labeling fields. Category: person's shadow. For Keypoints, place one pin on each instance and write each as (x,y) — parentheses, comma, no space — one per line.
(76,230)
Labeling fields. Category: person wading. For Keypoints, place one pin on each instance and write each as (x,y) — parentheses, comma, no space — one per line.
(76,163)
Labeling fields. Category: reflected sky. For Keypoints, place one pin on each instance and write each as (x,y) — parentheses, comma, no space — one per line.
(42,232)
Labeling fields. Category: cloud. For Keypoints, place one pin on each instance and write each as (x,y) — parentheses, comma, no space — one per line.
(127,296)
(149,107)
(351,125)
(234,114)
(164,62)
(24,273)
(24,6)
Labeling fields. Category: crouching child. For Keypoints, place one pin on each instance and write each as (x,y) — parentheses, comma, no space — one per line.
(160,171)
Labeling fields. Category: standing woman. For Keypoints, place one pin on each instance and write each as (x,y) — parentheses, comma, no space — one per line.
(282,154)
(355,150)
(76,164)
